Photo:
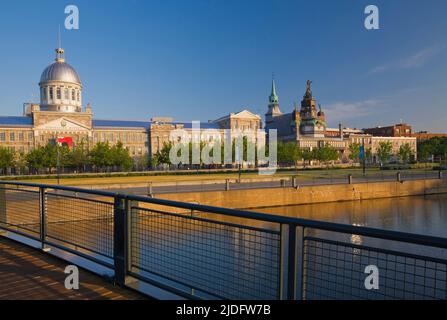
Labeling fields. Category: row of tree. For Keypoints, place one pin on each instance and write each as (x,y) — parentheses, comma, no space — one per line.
(79,158)
(384,152)
(287,153)
(435,147)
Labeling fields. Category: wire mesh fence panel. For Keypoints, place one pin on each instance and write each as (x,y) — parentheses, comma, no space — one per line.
(80,222)
(336,270)
(220,260)
(20,210)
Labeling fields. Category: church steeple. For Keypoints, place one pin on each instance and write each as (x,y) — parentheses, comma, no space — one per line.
(273,106)
(273,98)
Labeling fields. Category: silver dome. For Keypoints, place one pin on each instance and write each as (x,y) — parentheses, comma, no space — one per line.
(60,71)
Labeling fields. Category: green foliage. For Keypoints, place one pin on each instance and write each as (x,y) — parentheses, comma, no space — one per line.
(405,153)
(326,153)
(79,156)
(6,158)
(384,151)
(354,152)
(289,153)
(35,158)
(436,146)
(162,156)
(120,157)
(100,155)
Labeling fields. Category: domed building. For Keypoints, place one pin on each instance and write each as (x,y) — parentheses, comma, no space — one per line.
(60,86)
(60,117)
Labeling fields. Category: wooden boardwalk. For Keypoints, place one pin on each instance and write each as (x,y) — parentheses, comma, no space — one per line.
(27,274)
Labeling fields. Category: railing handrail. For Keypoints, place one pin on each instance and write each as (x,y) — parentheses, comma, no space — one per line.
(392,235)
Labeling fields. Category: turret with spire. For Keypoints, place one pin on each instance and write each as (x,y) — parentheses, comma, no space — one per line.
(273,106)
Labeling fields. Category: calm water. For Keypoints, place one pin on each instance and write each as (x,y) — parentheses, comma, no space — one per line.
(423,215)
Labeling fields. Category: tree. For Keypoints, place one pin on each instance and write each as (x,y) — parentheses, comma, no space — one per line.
(326,153)
(288,153)
(119,157)
(100,155)
(162,156)
(405,153)
(7,157)
(35,158)
(384,151)
(308,155)
(78,157)
(354,152)
(436,146)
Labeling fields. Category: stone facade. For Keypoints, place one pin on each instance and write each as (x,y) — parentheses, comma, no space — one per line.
(60,115)
(307,127)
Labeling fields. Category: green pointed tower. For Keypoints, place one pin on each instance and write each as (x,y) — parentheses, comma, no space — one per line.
(273,106)
(273,99)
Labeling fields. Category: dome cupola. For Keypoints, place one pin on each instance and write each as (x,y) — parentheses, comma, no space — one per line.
(60,86)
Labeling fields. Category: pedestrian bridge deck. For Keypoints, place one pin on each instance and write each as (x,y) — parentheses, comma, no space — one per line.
(26,273)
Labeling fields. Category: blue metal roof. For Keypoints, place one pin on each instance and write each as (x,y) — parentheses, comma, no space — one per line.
(145,124)
(121,124)
(28,122)
(16,121)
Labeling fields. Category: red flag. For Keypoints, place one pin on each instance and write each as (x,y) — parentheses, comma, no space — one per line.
(65,141)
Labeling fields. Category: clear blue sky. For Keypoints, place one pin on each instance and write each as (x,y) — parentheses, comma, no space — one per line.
(201,59)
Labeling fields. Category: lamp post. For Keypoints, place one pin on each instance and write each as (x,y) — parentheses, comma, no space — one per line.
(58,163)
(363,156)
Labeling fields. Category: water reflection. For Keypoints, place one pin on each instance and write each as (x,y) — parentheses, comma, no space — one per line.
(422,215)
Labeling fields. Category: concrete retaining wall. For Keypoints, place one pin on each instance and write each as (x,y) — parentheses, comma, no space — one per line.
(269,197)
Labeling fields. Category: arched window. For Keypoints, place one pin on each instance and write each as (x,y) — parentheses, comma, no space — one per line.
(51,93)
(59,94)
(73,94)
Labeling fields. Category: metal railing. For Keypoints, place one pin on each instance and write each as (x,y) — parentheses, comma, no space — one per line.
(297,180)
(204,252)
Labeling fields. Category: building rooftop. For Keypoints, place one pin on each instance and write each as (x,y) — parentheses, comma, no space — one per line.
(15,121)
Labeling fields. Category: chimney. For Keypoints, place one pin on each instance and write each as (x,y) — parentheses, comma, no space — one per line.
(340,131)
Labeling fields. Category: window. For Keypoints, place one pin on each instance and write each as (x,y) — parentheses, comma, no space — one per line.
(79,96)
(73,94)
(51,94)
(44,93)
(30,136)
(21,136)
(12,136)
(59,95)
(66,95)
(2,136)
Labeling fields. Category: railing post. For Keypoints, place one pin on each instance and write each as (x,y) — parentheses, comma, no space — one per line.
(227,184)
(283,183)
(43,217)
(399,177)
(3,212)
(288,268)
(120,239)
(149,189)
(440,174)
(350,179)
